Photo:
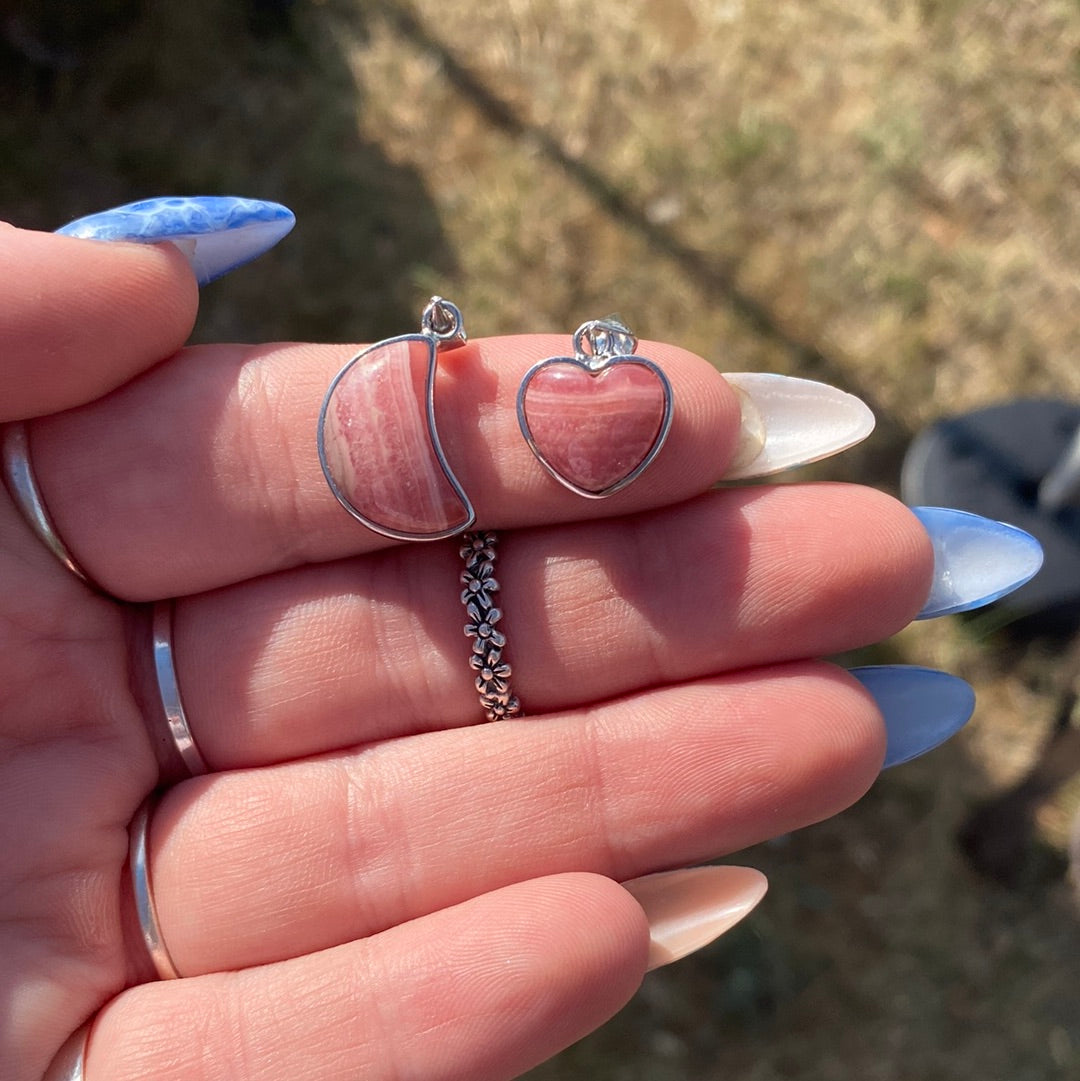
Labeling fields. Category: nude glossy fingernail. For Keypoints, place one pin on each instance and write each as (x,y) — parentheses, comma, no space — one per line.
(976,560)
(688,909)
(217,233)
(788,422)
(921,707)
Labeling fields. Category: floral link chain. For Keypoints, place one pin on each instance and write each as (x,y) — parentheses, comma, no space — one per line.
(493,673)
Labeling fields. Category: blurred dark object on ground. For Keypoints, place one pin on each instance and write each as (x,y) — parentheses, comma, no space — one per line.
(1018,462)
(998,836)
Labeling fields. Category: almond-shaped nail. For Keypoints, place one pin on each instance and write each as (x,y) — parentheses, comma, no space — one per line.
(217,233)
(922,707)
(689,908)
(976,560)
(788,422)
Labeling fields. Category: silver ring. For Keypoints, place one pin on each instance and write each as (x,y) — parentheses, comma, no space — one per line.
(70,1061)
(493,672)
(139,859)
(169,690)
(19,477)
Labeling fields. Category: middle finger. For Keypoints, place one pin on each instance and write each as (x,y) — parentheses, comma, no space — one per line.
(321,658)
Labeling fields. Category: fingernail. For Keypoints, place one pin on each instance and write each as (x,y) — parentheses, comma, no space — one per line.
(217,233)
(788,422)
(690,908)
(922,707)
(976,560)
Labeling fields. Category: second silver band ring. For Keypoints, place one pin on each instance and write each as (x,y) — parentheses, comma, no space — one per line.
(169,691)
(139,858)
(70,1061)
(498,701)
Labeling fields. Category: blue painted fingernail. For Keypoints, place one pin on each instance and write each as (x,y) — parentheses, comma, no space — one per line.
(922,707)
(976,560)
(217,233)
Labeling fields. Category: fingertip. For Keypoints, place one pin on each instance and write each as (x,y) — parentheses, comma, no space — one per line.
(863,736)
(832,746)
(893,545)
(79,318)
(594,922)
(858,740)
(709,414)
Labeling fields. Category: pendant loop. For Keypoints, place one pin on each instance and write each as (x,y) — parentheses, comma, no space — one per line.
(443,321)
(604,339)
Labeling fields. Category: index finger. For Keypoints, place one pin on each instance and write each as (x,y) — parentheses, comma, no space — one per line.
(205,471)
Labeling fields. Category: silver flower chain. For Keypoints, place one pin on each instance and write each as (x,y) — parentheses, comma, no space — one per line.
(493,673)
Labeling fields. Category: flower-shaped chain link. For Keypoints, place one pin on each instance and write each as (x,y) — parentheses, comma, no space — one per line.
(493,673)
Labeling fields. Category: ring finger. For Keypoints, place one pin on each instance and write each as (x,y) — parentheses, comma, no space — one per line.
(266,864)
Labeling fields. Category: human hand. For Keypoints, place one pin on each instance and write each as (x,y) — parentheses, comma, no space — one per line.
(367,883)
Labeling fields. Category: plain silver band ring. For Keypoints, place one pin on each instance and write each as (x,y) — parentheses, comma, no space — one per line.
(19,477)
(70,1061)
(139,858)
(169,690)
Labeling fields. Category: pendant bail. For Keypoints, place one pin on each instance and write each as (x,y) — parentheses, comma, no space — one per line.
(598,340)
(443,321)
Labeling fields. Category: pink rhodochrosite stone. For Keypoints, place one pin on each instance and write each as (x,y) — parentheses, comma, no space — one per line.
(594,430)
(378,448)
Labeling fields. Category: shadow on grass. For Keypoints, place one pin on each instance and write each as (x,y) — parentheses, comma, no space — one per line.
(121,100)
(808,358)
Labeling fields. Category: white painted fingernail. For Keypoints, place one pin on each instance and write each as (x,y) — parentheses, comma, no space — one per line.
(788,422)
(690,908)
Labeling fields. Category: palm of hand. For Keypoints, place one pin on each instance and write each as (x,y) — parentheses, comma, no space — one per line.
(355,930)
(75,761)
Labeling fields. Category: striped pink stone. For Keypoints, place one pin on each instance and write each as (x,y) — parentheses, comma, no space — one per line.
(379,451)
(594,430)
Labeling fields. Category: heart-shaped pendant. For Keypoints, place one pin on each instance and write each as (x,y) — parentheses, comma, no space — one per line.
(595,421)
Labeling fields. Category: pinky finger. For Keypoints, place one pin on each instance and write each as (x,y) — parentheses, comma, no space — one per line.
(481,991)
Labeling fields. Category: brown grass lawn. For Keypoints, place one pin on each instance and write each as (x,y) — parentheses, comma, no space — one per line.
(885,195)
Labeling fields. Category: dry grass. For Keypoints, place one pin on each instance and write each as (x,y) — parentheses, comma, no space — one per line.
(883,195)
